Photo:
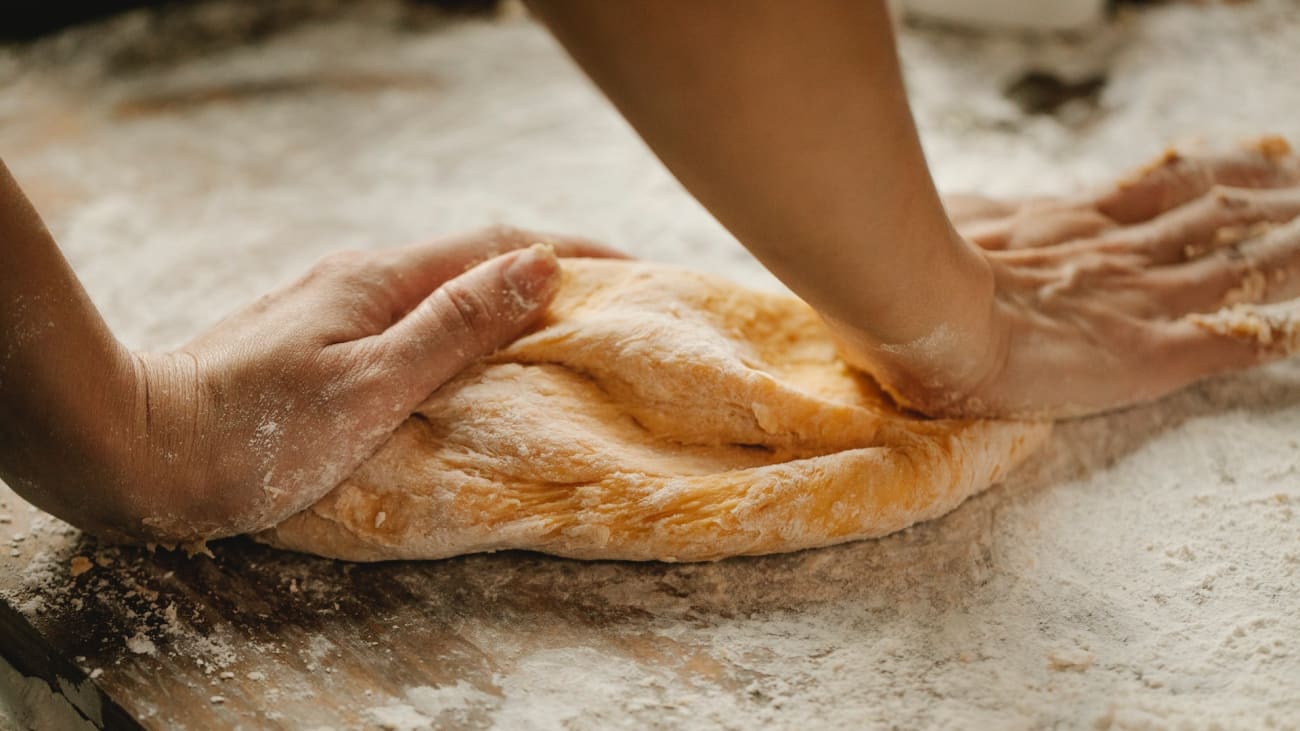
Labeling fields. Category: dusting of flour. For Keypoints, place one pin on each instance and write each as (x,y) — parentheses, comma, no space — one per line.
(1142,573)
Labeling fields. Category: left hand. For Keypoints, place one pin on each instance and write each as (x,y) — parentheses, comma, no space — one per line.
(266,412)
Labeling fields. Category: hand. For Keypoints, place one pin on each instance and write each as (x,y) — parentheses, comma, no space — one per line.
(262,415)
(1117,297)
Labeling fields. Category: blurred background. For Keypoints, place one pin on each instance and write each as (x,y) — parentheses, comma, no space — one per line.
(30,19)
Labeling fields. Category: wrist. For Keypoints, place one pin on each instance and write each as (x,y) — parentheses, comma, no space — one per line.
(941,337)
(194,475)
(162,480)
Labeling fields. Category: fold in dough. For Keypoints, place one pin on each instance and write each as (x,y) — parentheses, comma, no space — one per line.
(657,414)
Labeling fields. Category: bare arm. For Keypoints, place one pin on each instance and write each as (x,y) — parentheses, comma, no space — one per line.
(66,384)
(789,122)
(264,413)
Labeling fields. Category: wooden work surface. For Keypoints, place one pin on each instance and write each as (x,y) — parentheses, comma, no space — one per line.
(1141,571)
(253,637)
(214,167)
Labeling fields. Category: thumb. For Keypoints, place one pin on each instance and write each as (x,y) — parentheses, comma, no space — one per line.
(471,316)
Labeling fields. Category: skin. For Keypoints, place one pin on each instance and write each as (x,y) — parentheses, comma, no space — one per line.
(260,416)
(789,122)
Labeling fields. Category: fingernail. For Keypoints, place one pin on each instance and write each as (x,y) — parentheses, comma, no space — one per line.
(531,274)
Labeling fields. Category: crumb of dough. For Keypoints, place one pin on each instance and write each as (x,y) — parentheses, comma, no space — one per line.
(1168,158)
(141,645)
(1229,236)
(1272,328)
(1270,146)
(195,548)
(79,565)
(1252,289)
(1076,661)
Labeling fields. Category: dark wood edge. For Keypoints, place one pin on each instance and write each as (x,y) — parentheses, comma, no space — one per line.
(21,645)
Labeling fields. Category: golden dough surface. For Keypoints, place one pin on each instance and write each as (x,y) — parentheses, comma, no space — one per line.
(656,414)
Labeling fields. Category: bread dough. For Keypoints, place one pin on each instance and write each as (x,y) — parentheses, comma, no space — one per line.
(657,414)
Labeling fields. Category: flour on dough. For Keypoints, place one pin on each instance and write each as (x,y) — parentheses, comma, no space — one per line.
(658,414)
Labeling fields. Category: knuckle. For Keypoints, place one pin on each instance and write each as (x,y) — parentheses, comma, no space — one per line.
(507,237)
(340,264)
(466,312)
(368,363)
(1226,198)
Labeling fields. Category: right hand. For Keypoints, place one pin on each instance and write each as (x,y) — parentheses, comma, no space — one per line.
(1117,297)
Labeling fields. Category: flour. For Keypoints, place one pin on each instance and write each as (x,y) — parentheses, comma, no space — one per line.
(455,706)
(1142,574)
(141,644)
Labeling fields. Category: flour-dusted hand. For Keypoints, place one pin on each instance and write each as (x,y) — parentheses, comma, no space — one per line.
(790,123)
(266,412)
(1117,297)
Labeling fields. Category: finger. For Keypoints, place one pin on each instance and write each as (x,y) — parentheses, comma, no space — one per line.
(412,272)
(1262,270)
(1223,217)
(1037,229)
(966,208)
(1175,179)
(1231,339)
(468,317)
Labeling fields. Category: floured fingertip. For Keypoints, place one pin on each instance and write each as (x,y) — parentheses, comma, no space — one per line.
(1273,329)
(531,276)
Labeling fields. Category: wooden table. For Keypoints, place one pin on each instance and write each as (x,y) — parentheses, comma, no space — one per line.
(258,638)
(253,637)
(218,168)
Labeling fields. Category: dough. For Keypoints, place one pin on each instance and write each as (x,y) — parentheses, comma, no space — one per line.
(657,414)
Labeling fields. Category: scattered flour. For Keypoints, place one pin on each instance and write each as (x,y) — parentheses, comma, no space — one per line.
(425,707)
(1142,574)
(141,645)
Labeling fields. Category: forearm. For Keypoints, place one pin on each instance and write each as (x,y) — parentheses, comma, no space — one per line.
(67,398)
(262,415)
(789,122)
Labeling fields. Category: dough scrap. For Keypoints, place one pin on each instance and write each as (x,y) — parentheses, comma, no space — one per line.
(657,414)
